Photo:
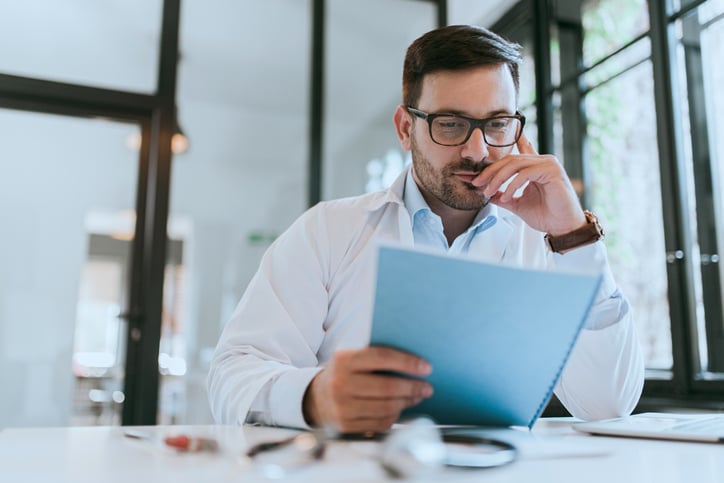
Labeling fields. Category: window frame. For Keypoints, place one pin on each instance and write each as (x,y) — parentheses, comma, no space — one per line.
(685,385)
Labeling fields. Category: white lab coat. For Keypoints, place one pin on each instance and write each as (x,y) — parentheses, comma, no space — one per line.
(313,293)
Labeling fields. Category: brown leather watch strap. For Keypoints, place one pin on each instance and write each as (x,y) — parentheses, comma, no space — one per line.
(589,233)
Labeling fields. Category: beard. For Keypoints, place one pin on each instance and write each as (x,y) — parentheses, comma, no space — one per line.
(444,185)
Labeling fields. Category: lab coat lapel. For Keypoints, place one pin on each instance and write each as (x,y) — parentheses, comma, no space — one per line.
(404,224)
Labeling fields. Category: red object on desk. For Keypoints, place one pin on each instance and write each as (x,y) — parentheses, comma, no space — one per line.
(191,444)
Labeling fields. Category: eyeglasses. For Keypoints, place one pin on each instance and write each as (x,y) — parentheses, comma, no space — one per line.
(454,130)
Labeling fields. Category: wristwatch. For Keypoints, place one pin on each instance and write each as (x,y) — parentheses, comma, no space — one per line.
(589,233)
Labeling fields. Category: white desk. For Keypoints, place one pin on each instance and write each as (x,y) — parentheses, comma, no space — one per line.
(552,452)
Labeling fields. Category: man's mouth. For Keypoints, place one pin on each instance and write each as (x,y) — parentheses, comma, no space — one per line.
(467,175)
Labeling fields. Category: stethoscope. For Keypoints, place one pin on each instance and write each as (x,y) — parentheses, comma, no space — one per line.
(410,450)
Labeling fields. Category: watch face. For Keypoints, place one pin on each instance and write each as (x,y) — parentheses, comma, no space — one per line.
(593,220)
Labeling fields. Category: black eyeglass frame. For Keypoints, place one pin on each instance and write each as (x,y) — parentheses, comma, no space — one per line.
(474,124)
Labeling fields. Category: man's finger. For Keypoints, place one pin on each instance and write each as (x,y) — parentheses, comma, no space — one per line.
(378,386)
(525,146)
(378,358)
(374,408)
(367,425)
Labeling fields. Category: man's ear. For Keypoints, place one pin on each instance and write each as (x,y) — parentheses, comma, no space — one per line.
(403,126)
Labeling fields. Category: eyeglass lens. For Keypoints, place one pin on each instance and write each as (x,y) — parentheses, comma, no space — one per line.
(453,130)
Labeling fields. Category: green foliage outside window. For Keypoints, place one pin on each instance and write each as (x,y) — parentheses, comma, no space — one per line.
(622,165)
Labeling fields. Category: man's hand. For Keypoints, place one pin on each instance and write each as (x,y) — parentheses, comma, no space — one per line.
(349,396)
(549,202)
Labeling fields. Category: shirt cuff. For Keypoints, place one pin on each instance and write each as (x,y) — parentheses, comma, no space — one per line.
(286,395)
(589,260)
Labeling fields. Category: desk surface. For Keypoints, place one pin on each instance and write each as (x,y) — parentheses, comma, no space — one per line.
(551,452)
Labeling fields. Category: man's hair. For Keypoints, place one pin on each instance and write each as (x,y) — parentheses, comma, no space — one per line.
(455,47)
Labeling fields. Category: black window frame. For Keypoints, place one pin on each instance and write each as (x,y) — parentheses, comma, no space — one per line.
(686,385)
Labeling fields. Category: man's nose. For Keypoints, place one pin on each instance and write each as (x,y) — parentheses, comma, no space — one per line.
(475,148)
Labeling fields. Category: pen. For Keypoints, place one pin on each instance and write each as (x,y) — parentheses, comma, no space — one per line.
(191,444)
(181,442)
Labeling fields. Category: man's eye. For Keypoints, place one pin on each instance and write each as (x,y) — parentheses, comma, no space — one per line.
(499,124)
(451,124)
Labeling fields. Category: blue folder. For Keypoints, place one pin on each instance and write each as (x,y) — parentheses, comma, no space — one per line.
(497,337)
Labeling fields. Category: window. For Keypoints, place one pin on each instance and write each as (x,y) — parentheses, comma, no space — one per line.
(631,111)
(697,28)
(63,275)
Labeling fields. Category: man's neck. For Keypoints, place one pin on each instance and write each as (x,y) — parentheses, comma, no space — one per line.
(454,222)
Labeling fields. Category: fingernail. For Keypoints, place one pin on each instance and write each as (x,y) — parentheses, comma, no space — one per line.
(424,367)
(427,391)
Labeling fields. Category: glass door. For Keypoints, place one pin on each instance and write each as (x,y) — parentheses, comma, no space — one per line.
(67,197)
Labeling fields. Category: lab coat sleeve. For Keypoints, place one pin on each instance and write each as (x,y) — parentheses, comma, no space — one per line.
(604,375)
(266,354)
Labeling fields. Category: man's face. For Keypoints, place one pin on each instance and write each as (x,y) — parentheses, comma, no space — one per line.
(444,173)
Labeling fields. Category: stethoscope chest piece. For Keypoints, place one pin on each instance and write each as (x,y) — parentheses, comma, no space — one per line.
(470,451)
(420,447)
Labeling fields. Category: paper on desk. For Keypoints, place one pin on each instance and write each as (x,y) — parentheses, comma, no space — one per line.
(497,337)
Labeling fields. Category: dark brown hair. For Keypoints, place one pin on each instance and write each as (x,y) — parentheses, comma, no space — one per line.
(455,47)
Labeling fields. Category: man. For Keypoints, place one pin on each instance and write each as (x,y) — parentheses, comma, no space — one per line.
(295,351)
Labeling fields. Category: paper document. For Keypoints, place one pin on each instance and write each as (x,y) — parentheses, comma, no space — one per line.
(702,427)
(497,337)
